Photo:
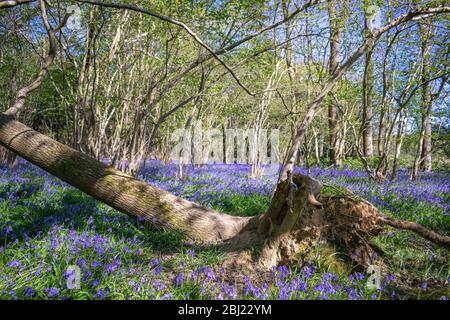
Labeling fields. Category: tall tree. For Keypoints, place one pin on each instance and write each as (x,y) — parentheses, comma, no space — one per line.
(368,82)
(337,24)
(426,31)
(423,153)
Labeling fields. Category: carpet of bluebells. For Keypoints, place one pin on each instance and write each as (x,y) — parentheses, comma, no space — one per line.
(46,227)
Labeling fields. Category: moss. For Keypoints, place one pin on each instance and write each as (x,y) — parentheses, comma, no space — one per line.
(170,220)
(338,192)
(327,258)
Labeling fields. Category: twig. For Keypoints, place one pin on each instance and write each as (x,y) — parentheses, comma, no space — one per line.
(174,22)
(23,92)
(420,230)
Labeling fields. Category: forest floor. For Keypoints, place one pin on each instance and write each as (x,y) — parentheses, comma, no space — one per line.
(47,226)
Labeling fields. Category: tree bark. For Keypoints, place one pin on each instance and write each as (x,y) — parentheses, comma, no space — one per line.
(423,152)
(336,33)
(12,3)
(427,102)
(398,145)
(426,149)
(367,113)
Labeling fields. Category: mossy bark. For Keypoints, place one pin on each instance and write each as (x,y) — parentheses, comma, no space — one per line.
(115,188)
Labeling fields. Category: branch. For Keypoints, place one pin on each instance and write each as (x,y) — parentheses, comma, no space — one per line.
(12,3)
(233,45)
(174,22)
(23,92)
(340,71)
(420,230)
(425,233)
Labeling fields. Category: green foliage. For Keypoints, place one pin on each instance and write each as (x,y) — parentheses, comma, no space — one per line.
(241,205)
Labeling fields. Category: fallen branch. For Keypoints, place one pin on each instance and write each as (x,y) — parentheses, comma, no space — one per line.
(13,3)
(425,233)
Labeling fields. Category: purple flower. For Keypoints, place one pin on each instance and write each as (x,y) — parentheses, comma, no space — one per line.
(153,263)
(51,292)
(101,294)
(95,264)
(393,294)
(389,278)
(432,255)
(95,283)
(351,278)
(352,293)
(191,253)
(167,296)
(15,264)
(157,271)
(158,285)
(179,279)
(307,271)
(283,294)
(29,292)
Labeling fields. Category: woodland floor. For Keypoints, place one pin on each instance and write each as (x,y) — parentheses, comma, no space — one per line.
(46,226)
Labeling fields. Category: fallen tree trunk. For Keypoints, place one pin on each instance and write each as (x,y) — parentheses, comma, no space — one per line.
(299,217)
(115,188)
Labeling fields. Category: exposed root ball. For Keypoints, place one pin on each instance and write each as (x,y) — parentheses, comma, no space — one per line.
(301,219)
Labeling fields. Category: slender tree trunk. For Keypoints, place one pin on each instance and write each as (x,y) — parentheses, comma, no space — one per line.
(336,33)
(290,68)
(423,154)
(367,112)
(86,128)
(398,146)
(426,149)
(426,123)
(425,30)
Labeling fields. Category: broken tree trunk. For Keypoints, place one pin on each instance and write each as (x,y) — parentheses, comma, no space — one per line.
(299,217)
(115,188)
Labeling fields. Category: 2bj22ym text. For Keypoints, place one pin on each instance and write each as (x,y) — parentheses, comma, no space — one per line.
(226,310)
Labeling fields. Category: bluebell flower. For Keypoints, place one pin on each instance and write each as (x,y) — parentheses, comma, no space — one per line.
(179,279)
(191,253)
(29,292)
(157,270)
(15,264)
(167,296)
(51,292)
(101,294)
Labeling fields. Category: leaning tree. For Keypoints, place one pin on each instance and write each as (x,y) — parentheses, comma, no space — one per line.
(300,215)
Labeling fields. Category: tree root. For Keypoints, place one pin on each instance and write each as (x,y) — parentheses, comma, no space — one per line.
(301,218)
(425,233)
